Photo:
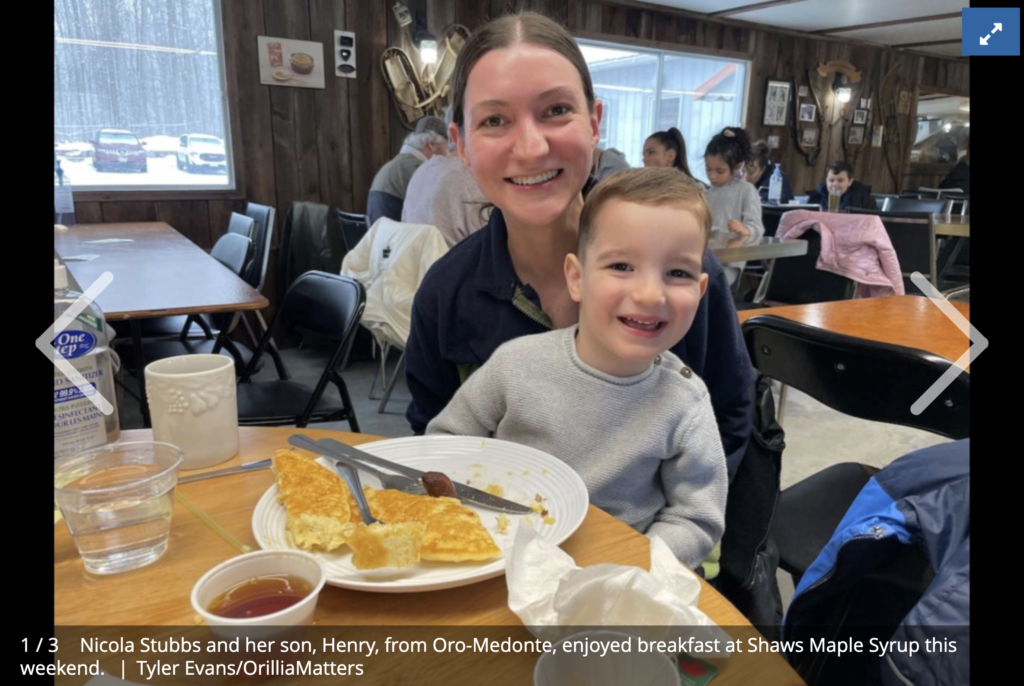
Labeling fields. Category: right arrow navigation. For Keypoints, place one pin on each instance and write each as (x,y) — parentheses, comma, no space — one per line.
(999,27)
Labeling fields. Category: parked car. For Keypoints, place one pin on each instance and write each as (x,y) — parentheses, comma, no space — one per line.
(202,152)
(73,150)
(118,149)
(160,146)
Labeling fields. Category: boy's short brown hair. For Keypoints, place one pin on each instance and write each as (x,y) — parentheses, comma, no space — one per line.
(653,186)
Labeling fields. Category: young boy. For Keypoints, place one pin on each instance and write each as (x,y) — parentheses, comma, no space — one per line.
(852,193)
(606,396)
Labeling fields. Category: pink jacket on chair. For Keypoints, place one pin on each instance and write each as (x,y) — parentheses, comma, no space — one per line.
(852,245)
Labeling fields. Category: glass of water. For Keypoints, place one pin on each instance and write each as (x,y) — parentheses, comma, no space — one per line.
(117,501)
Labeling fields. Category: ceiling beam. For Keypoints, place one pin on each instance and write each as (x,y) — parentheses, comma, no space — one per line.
(949,41)
(752,7)
(891,22)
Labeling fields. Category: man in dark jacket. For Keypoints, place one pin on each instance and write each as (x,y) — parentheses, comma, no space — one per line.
(960,176)
(854,193)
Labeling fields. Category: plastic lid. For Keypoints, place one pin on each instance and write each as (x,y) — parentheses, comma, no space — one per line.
(60,275)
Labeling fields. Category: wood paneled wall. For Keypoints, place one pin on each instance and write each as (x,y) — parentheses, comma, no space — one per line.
(325,145)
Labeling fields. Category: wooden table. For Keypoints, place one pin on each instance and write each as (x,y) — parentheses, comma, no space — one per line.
(953,226)
(908,320)
(158,273)
(159,594)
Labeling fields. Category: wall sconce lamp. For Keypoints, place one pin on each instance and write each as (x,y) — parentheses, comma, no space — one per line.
(424,40)
(841,88)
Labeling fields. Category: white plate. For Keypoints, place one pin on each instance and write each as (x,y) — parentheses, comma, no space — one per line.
(523,472)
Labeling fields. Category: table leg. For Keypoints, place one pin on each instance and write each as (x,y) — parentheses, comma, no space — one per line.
(947,257)
(762,288)
(140,365)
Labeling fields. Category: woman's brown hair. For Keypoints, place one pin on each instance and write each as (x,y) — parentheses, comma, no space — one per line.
(527,27)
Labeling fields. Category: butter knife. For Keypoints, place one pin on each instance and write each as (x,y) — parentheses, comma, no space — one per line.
(333,448)
(251,467)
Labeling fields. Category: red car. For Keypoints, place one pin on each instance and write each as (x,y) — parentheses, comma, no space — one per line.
(118,149)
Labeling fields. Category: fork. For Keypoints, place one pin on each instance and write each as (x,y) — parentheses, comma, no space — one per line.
(393,481)
(397,482)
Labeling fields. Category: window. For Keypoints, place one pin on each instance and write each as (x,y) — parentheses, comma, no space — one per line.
(139,95)
(644,91)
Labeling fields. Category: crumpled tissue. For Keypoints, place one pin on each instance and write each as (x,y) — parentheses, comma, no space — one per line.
(551,595)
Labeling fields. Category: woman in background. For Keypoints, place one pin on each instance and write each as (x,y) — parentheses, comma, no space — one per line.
(758,171)
(666,149)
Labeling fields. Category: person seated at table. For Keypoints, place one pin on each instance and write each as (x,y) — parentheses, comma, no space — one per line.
(735,205)
(840,179)
(508,280)
(607,395)
(960,176)
(667,149)
(758,171)
(607,161)
(443,193)
(387,192)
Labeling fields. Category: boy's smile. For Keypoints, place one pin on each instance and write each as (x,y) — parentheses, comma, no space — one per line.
(639,284)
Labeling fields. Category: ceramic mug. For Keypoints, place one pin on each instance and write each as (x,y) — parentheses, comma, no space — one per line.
(193,405)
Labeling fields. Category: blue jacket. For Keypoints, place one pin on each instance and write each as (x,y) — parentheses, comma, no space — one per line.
(471,301)
(921,499)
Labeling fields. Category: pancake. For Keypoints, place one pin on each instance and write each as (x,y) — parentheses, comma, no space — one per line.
(317,502)
(454,533)
(386,545)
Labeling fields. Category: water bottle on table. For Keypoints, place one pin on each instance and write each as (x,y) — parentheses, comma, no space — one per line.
(775,186)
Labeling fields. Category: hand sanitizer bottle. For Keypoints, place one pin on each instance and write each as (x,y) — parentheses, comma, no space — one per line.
(77,423)
(775,186)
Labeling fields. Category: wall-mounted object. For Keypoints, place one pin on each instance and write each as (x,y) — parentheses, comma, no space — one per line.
(415,94)
(773,142)
(860,116)
(896,127)
(345,54)
(876,136)
(838,67)
(807,112)
(802,91)
(776,102)
(288,62)
(904,103)
(809,137)
(855,136)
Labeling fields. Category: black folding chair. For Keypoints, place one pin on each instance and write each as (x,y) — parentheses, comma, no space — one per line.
(330,306)
(797,280)
(862,378)
(353,227)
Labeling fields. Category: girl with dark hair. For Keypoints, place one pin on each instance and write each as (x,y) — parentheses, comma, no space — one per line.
(666,149)
(735,205)
(758,171)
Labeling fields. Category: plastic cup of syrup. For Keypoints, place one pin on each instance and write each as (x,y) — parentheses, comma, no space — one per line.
(262,588)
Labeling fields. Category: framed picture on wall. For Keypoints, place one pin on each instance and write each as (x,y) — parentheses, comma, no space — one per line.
(860,116)
(289,62)
(809,137)
(855,136)
(807,112)
(876,136)
(776,103)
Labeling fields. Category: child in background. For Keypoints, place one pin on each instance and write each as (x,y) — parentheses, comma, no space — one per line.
(606,395)
(734,203)
(759,169)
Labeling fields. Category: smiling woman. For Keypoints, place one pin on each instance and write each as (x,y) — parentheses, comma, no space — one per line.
(526,123)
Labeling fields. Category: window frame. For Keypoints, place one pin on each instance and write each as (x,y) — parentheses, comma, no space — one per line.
(659,49)
(229,88)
